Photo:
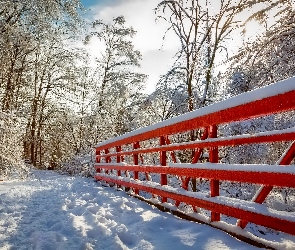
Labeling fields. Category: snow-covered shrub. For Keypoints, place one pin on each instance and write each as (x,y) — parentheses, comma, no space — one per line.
(79,165)
(11,147)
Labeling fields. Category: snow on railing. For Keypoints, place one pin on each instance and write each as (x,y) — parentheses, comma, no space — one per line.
(145,153)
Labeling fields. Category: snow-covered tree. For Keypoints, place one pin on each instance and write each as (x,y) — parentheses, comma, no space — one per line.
(119,83)
(37,64)
(11,160)
(270,57)
(266,60)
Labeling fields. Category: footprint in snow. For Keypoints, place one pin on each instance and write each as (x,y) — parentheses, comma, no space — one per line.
(37,214)
(100,230)
(109,215)
(129,239)
(144,245)
(78,211)
(117,212)
(93,209)
(71,205)
(7,210)
(87,197)
(101,219)
(130,204)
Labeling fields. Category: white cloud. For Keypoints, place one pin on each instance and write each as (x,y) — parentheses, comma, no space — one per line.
(157,56)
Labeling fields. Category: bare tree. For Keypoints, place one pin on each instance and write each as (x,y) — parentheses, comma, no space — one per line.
(203,28)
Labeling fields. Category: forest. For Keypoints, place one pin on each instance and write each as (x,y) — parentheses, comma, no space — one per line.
(57,101)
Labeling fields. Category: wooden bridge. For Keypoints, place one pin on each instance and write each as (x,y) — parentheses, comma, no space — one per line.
(146,161)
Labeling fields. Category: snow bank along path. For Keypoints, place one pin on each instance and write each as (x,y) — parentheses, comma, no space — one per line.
(52,211)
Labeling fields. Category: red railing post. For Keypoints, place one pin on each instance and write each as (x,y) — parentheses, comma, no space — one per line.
(107,159)
(135,161)
(163,162)
(97,159)
(213,157)
(118,149)
(174,159)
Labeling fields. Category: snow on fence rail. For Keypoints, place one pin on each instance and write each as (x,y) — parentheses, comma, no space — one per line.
(127,155)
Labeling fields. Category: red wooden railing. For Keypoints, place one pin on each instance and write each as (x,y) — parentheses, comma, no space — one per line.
(127,153)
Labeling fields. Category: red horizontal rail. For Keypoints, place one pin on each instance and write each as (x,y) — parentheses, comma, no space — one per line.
(273,136)
(271,177)
(258,218)
(224,112)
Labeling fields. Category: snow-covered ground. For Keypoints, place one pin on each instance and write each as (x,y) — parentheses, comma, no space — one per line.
(51,211)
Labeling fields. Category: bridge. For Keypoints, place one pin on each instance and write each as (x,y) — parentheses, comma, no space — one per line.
(163,163)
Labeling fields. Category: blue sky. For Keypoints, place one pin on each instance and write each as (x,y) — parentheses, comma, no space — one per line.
(89,3)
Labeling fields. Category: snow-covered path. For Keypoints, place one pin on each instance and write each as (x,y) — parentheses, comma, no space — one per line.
(53,211)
